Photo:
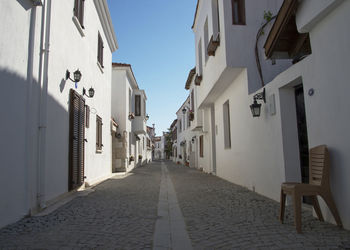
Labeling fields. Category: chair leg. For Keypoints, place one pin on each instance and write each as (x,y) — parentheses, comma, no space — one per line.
(331,204)
(297,211)
(317,208)
(282,205)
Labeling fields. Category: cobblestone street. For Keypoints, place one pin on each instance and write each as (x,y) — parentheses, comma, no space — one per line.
(121,213)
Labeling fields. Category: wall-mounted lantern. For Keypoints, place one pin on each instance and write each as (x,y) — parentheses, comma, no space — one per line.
(77,76)
(184,110)
(147,117)
(256,107)
(91,92)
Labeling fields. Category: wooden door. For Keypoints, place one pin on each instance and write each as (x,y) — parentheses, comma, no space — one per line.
(302,136)
(76,140)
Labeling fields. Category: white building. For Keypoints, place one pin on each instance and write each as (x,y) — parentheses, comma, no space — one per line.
(261,153)
(129,112)
(186,140)
(159,146)
(54,138)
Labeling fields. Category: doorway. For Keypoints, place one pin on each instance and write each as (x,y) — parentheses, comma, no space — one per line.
(76,140)
(302,137)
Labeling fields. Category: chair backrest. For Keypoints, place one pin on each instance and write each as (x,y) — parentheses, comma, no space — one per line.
(319,165)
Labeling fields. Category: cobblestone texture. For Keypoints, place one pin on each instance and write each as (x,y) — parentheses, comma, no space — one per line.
(222,215)
(120,214)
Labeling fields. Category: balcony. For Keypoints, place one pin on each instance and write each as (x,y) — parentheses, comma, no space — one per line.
(139,125)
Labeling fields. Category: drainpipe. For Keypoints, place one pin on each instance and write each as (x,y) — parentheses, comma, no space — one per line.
(29,114)
(43,109)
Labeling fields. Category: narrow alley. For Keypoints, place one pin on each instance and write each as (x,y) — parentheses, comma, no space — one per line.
(167,206)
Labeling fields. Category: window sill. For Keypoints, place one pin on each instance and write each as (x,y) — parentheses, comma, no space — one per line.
(99,151)
(100,67)
(79,27)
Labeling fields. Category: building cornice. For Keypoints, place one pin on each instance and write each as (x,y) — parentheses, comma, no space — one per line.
(129,71)
(107,25)
(195,15)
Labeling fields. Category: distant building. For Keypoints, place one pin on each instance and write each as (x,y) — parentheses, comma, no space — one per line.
(129,111)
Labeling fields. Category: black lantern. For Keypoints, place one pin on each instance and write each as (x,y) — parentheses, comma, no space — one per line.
(256,107)
(77,76)
(91,92)
(184,110)
(147,117)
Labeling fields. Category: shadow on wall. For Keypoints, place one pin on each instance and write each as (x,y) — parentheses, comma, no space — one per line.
(26,4)
(18,178)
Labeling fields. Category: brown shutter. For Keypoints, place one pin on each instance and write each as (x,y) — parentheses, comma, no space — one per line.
(81,19)
(76,9)
(76,140)
(87,116)
(99,124)
(100,50)
(201,153)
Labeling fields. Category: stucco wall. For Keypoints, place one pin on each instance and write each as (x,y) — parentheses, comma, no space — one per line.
(265,150)
(19,56)
(19,63)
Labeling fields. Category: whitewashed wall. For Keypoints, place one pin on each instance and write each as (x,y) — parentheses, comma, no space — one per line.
(19,137)
(265,150)
(19,62)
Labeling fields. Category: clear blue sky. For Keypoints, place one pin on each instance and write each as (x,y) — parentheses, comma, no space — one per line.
(155,37)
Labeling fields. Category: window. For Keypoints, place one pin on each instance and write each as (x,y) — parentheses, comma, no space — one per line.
(130,101)
(100,50)
(200,57)
(188,120)
(238,12)
(148,143)
(192,100)
(87,116)
(206,38)
(227,128)
(144,107)
(79,11)
(201,153)
(218,14)
(99,124)
(137,105)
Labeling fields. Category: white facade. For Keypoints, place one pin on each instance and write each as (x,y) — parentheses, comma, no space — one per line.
(186,143)
(130,140)
(159,147)
(33,66)
(264,151)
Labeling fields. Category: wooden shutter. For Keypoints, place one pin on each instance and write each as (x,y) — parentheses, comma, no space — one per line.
(201,153)
(76,140)
(79,11)
(137,105)
(87,116)
(100,50)
(99,124)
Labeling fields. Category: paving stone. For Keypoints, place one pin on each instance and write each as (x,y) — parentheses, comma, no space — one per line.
(222,215)
(120,214)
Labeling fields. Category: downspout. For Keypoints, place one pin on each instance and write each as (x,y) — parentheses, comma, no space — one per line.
(29,117)
(43,111)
